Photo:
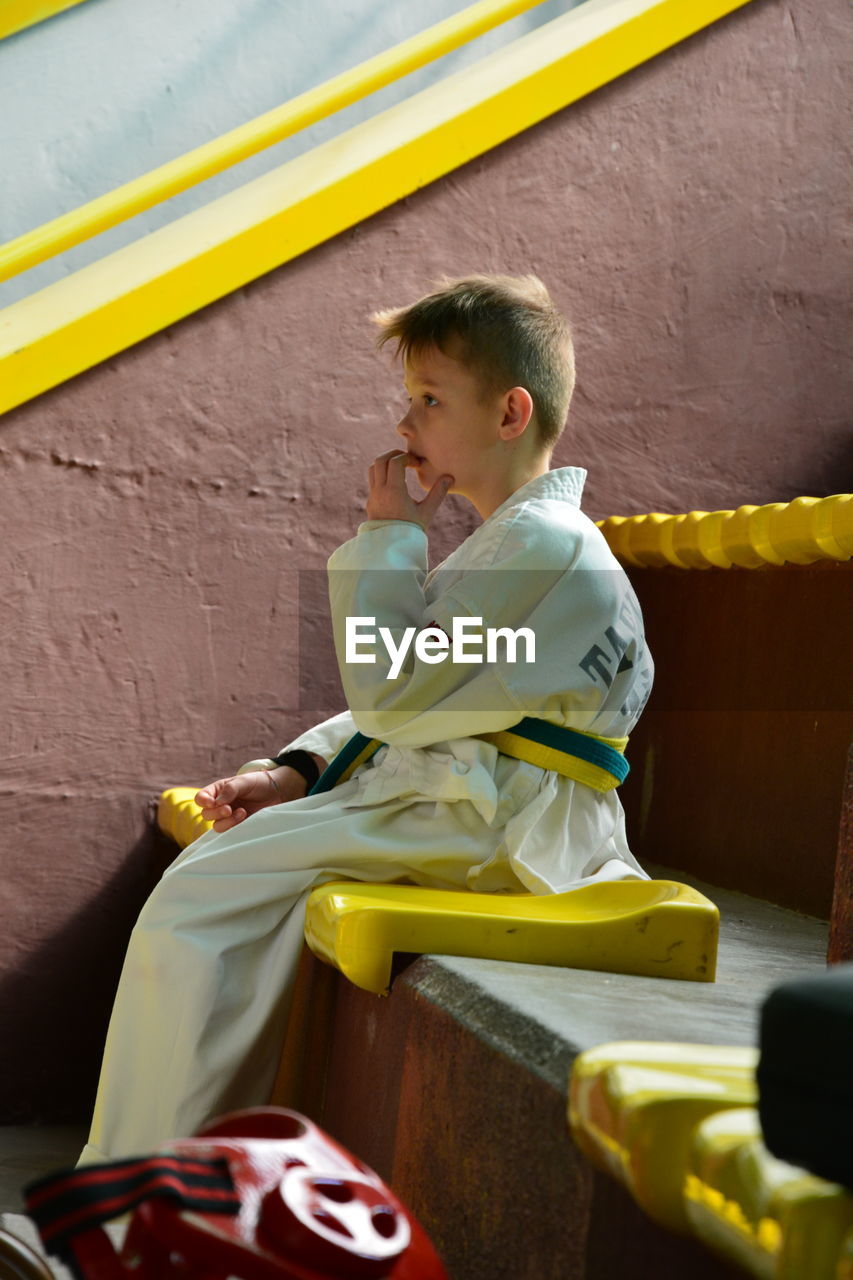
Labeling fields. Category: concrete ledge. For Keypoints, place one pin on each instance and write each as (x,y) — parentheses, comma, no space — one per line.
(454,1089)
(518,1007)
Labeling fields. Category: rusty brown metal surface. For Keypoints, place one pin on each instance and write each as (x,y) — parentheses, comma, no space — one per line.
(841,922)
(301,1079)
(738,762)
(476,1142)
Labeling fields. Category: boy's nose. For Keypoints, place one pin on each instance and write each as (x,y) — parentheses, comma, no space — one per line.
(403,427)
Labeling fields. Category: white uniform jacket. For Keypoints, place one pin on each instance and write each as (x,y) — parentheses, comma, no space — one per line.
(537,562)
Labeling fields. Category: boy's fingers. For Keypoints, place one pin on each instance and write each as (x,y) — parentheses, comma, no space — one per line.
(223,792)
(430,504)
(225,824)
(397,468)
(384,460)
(211,794)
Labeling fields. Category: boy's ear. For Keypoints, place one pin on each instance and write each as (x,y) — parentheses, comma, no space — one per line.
(518,410)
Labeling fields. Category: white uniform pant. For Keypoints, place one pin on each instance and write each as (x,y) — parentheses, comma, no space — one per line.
(202,1004)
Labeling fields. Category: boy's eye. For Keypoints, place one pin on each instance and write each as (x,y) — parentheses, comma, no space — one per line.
(429,401)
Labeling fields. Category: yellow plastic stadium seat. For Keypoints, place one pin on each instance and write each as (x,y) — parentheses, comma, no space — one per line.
(180,817)
(634,1106)
(771,1218)
(655,928)
(676,1124)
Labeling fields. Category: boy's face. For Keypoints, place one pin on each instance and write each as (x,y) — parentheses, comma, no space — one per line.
(450,426)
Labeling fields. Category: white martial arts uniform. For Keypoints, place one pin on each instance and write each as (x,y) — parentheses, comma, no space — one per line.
(201,1007)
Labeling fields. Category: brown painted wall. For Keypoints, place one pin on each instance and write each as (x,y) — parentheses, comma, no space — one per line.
(738,763)
(156,510)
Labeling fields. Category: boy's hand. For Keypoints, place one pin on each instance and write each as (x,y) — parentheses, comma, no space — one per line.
(230,801)
(389,499)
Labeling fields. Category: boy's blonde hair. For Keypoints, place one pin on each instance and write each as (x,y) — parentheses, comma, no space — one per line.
(505,329)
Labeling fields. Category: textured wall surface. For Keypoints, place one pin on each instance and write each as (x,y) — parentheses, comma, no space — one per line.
(158,510)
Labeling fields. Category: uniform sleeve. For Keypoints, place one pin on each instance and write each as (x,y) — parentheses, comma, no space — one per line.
(324,739)
(380,577)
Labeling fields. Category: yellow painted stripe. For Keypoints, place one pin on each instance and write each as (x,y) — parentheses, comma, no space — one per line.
(89,316)
(799,532)
(248,139)
(16,15)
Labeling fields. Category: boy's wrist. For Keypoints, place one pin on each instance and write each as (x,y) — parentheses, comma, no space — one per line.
(287,783)
(303,762)
(380,522)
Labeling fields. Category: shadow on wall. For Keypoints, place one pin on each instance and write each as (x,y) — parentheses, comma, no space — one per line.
(827,470)
(838,464)
(55,1008)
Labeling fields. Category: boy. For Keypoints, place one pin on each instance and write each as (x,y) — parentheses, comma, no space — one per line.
(451,798)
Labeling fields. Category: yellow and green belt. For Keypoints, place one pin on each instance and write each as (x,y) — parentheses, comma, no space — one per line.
(585,757)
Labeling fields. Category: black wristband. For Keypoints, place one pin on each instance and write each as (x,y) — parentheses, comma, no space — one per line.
(303,762)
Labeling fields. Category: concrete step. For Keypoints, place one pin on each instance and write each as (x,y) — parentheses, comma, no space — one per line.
(455,1090)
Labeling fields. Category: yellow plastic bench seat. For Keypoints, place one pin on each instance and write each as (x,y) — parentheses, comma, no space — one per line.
(656,928)
(180,817)
(633,1107)
(677,1124)
(771,1218)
